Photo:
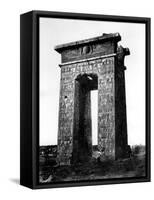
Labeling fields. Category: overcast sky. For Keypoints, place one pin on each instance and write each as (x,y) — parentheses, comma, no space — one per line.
(59,31)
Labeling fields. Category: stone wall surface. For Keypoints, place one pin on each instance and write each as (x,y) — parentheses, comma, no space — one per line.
(84,68)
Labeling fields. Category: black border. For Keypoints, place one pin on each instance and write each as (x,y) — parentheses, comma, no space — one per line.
(30,23)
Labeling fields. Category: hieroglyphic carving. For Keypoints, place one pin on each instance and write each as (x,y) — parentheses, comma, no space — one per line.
(87,51)
(106,135)
(95,63)
(104,68)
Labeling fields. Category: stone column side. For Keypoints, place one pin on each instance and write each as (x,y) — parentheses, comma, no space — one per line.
(122,148)
(66,111)
(106,109)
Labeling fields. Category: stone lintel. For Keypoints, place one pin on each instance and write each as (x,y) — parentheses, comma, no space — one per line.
(87,60)
(89,48)
(103,38)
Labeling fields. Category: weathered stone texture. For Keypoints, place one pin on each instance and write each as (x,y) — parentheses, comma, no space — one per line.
(103,69)
(106,109)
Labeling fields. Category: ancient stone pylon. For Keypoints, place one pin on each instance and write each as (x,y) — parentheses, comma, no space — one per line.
(92,64)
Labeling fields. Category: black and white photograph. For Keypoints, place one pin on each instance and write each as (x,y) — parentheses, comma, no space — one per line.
(76,100)
(91,100)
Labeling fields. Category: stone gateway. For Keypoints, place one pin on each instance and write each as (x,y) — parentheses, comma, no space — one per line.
(92,64)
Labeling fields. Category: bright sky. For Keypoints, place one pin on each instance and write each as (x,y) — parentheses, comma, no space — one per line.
(59,31)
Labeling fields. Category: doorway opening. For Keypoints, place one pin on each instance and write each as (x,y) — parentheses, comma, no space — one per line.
(82,133)
(94,116)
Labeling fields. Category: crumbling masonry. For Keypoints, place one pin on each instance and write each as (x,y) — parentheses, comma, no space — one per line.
(92,64)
